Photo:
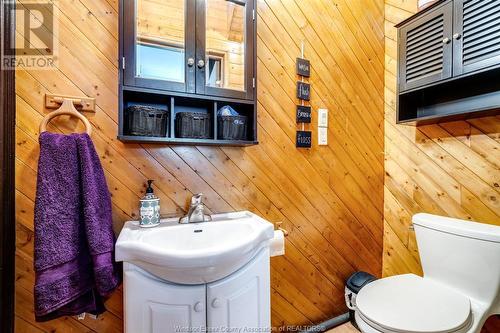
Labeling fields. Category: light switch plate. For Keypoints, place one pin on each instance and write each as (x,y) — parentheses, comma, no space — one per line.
(322,117)
(322,136)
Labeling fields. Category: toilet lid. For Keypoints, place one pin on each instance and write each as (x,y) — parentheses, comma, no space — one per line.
(410,303)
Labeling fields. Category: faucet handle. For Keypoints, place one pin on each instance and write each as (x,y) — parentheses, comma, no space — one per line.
(196,199)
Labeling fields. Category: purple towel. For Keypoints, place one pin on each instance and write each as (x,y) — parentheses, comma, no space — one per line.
(74,240)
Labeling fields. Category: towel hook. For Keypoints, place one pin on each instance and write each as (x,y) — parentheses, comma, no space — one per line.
(67,108)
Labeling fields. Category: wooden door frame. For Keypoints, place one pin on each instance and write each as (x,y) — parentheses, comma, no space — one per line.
(7,167)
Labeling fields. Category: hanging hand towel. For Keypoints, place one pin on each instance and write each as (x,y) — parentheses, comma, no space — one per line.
(74,240)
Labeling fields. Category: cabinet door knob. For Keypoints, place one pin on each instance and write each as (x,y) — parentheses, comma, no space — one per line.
(446,40)
(198,307)
(190,62)
(201,63)
(215,303)
(457,36)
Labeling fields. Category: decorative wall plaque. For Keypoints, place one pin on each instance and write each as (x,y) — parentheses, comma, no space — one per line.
(303,139)
(303,90)
(303,114)
(303,67)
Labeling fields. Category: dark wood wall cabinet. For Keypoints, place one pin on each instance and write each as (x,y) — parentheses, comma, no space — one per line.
(449,62)
(182,61)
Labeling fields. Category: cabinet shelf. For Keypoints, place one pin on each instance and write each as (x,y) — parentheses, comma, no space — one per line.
(184,141)
(178,102)
(180,94)
(466,97)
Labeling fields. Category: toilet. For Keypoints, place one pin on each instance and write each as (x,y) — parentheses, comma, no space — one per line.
(460,288)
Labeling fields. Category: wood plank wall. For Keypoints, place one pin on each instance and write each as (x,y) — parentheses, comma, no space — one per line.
(330,198)
(450,169)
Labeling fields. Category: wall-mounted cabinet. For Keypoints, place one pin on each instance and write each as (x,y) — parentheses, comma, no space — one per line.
(448,55)
(188,56)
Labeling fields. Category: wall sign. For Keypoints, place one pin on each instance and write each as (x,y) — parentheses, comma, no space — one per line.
(303,139)
(303,114)
(303,90)
(303,67)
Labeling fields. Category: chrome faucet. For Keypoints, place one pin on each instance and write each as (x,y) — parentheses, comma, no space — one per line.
(196,211)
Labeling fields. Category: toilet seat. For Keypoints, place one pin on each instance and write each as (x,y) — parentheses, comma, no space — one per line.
(409,303)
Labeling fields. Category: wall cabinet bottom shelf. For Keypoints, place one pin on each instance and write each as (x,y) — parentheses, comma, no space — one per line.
(185,141)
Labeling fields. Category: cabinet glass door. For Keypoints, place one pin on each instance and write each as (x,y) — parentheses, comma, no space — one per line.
(161,52)
(225,48)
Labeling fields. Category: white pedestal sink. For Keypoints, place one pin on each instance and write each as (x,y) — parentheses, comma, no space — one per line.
(197,277)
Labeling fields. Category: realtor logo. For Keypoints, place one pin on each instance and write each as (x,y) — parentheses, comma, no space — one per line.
(36,38)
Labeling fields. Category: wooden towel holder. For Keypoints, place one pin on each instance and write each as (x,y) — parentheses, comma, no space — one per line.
(66,106)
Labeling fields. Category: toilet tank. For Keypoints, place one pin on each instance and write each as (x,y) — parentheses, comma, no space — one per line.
(461,254)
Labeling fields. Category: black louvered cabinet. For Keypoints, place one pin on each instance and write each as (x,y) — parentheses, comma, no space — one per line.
(476,35)
(449,62)
(426,48)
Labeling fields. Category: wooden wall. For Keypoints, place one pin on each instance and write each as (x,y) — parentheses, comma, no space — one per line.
(329,198)
(450,169)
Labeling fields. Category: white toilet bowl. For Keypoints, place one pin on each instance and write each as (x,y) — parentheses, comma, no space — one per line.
(460,288)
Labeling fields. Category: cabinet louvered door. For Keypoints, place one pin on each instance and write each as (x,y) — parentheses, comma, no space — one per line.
(425,48)
(476,43)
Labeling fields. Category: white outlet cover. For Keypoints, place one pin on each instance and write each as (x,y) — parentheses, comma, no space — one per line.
(322,117)
(322,136)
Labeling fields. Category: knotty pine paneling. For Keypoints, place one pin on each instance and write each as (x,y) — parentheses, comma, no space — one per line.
(450,169)
(329,198)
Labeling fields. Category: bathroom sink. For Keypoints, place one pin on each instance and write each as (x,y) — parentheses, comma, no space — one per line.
(194,253)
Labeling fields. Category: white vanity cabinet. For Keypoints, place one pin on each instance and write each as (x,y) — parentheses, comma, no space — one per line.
(239,301)
(198,277)
(154,306)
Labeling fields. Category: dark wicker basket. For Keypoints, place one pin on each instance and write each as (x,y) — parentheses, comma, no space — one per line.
(232,127)
(147,121)
(195,125)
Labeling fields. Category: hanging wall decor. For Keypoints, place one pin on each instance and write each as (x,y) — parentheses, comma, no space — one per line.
(303,67)
(303,112)
(303,91)
(303,139)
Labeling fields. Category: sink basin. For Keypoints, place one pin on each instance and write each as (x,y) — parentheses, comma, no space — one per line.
(194,253)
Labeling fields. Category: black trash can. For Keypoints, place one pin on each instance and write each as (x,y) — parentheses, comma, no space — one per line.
(352,287)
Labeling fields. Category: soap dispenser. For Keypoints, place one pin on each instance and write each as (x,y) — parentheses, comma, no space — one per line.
(150,208)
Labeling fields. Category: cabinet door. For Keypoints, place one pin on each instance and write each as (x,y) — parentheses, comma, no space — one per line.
(159,44)
(154,306)
(476,43)
(242,300)
(225,44)
(425,48)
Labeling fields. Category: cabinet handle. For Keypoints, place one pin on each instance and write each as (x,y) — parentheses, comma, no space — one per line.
(201,63)
(198,307)
(457,36)
(446,40)
(190,62)
(215,303)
